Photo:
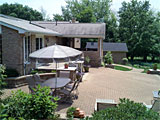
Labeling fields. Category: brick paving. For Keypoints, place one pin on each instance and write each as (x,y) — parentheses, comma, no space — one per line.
(105,83)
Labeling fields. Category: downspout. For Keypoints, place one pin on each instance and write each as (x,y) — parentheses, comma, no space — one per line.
(24,64)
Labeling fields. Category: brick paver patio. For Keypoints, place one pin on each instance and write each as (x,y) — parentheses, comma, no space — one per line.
(106,83)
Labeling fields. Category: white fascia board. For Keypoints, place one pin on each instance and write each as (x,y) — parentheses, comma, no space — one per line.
(20,30)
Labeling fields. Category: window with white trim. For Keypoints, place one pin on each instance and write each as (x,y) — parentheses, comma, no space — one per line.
(27,48)
(39,43)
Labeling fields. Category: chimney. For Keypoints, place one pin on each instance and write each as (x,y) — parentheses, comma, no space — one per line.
(73,20)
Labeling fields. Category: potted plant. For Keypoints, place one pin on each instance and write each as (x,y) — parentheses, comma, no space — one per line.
(87,66)
(155,66)
(66,65)
(108,59)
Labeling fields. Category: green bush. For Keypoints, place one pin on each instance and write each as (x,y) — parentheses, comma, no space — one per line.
(11,72)
(2,77)
(108,58)
(32,106)
(126,110)
(125,61)
(87,60)
(70,112)
(155,66)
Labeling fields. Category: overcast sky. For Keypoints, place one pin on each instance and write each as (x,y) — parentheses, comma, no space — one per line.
(54,6)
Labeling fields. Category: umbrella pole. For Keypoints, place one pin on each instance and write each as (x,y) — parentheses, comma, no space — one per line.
(56,80)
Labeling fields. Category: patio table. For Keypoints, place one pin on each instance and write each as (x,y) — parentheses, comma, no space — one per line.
(80,65)
(61,82)
(72,71)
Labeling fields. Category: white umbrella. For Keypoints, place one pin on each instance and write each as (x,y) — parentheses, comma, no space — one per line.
(55,53)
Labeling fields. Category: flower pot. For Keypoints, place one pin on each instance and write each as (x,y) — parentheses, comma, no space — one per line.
(66,66)
(86,68)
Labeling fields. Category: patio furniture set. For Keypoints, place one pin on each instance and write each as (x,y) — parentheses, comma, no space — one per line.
(64,88)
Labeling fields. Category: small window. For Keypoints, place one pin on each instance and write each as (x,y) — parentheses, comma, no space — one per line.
(39,43)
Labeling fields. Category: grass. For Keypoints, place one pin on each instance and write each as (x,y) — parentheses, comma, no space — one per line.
(143,65)
(116,67)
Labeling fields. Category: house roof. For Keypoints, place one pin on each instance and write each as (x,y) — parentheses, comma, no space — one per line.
(24,25)
(116,47)
(82,30)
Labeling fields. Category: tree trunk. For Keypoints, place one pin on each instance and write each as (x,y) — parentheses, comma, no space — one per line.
(132,57)
(153,58)
(145,58)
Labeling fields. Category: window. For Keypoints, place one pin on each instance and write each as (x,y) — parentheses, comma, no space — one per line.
(27,48)
(39,43)
(0,49)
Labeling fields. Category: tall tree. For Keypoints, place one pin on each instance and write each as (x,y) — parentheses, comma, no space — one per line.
(44,14)
(92,11)
(136,27)
(20,11)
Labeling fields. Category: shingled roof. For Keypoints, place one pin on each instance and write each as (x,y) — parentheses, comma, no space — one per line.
(82,30)
(116,47)
(25,25)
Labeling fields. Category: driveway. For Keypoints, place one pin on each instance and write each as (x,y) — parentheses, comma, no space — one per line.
(105,83)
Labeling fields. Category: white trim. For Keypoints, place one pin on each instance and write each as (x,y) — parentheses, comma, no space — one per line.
(22,31)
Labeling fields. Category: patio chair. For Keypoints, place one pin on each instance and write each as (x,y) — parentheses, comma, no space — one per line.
(103,104)
(37,79)
(66,93)
(31,83)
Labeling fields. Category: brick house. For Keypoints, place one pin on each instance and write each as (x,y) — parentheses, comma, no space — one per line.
(118,50)
(19,38)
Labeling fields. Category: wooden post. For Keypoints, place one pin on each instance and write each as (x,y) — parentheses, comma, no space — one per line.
(100,48)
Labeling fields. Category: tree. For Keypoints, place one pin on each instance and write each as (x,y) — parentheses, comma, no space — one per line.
(20,11)
(44,14)
(57,17)
(92,11)
(81,10)
(136,27)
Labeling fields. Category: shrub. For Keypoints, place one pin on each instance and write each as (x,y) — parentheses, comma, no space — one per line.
(70,112)
(125,61)
(155,66)
(126,110)
(36,71)
(87,60)
(2,77)
(108,58)
(11,72)
(32,106)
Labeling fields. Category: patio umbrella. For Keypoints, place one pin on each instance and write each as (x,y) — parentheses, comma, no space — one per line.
(55,53)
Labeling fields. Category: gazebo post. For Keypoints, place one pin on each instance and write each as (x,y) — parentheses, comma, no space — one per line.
(100,48)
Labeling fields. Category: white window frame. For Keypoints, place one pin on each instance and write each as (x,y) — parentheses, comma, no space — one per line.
(39,36)
(27,48)
(39,45)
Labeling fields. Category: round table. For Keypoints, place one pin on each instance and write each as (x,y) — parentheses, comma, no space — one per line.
(61,82)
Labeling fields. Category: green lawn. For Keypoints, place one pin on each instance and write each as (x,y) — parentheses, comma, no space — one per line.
(116,67)
(143,65)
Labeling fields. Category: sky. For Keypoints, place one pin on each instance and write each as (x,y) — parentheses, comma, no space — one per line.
(54,6)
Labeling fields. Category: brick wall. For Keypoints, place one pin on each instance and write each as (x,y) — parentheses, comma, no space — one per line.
(118,56)
(94,57)
(12,49)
